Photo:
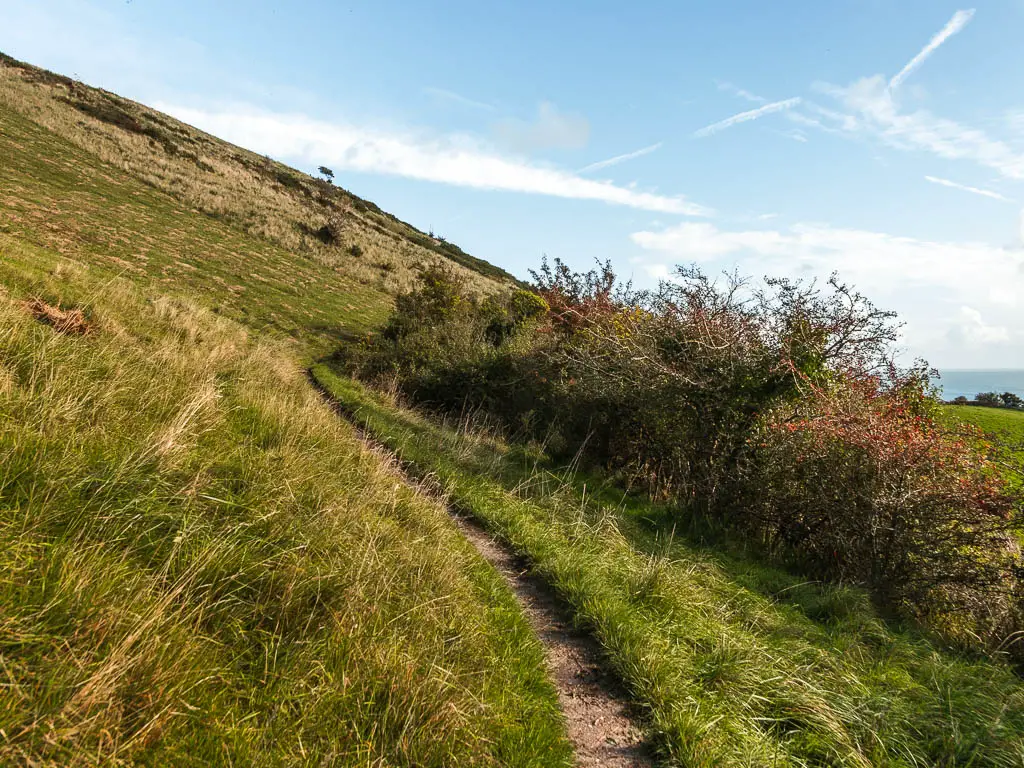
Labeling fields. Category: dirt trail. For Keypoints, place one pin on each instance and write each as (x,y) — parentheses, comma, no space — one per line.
(597,716)
(598,719)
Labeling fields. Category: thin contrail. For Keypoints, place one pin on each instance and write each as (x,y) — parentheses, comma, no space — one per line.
(742,117)
(965,188)
(620,158)
(954,25)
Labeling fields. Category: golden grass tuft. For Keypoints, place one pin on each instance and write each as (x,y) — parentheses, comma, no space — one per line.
(68,321)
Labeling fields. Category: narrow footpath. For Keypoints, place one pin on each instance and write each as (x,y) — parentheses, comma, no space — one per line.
(598,717)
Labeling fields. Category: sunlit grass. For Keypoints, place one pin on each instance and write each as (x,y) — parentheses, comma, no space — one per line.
(736,663)
(1005,424)
(200,564)
(248,193)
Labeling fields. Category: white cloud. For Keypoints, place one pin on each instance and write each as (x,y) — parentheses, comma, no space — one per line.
(877,257)
(620,158)
(703,241)
(724,85)
(796,135)
(456,160)
(94,43)
(550,130)
(954,25)
(927,282)
(1013,121)
(743,117)
(875,112)
(870,108)
(828,120)
(970,328)
(965,188)
(446,95)
(657,270)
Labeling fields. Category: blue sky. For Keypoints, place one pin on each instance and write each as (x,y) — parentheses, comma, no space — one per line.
(881,140)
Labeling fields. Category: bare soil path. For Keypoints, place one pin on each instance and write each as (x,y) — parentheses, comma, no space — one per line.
(598,717)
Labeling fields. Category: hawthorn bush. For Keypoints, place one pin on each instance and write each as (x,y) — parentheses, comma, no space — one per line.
(772,410)
(865,484)
(683,373)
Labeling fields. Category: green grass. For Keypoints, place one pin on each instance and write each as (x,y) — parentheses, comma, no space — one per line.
(735,663)
(63,198)
(1005,429)
(200,564)
(252,194)
(1004,423)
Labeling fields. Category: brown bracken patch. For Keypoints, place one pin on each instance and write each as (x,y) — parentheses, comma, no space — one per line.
(68,321)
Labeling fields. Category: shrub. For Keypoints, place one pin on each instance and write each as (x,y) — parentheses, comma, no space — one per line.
(110,113)
(289,179)
(432,331)
(505,315)
(433,303)
(865,484)
(683,372)
(333,232)
(449,349)
(107,109)
(770,410)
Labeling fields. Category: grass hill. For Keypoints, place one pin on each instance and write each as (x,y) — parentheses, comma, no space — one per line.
(112,182)
(201,563)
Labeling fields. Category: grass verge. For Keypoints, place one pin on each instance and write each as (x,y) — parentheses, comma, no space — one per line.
(200,564)
(736,664)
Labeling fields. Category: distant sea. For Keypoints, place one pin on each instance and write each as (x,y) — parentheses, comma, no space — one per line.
(970,383)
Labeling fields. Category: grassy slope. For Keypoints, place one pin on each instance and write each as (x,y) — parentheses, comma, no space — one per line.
(253,193)
(199,564)
(737,665)
(57,195)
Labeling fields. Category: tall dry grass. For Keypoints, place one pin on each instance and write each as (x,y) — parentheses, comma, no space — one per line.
(200,564)
(227,182)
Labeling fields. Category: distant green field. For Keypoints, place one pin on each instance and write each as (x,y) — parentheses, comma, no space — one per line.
(1003,423)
